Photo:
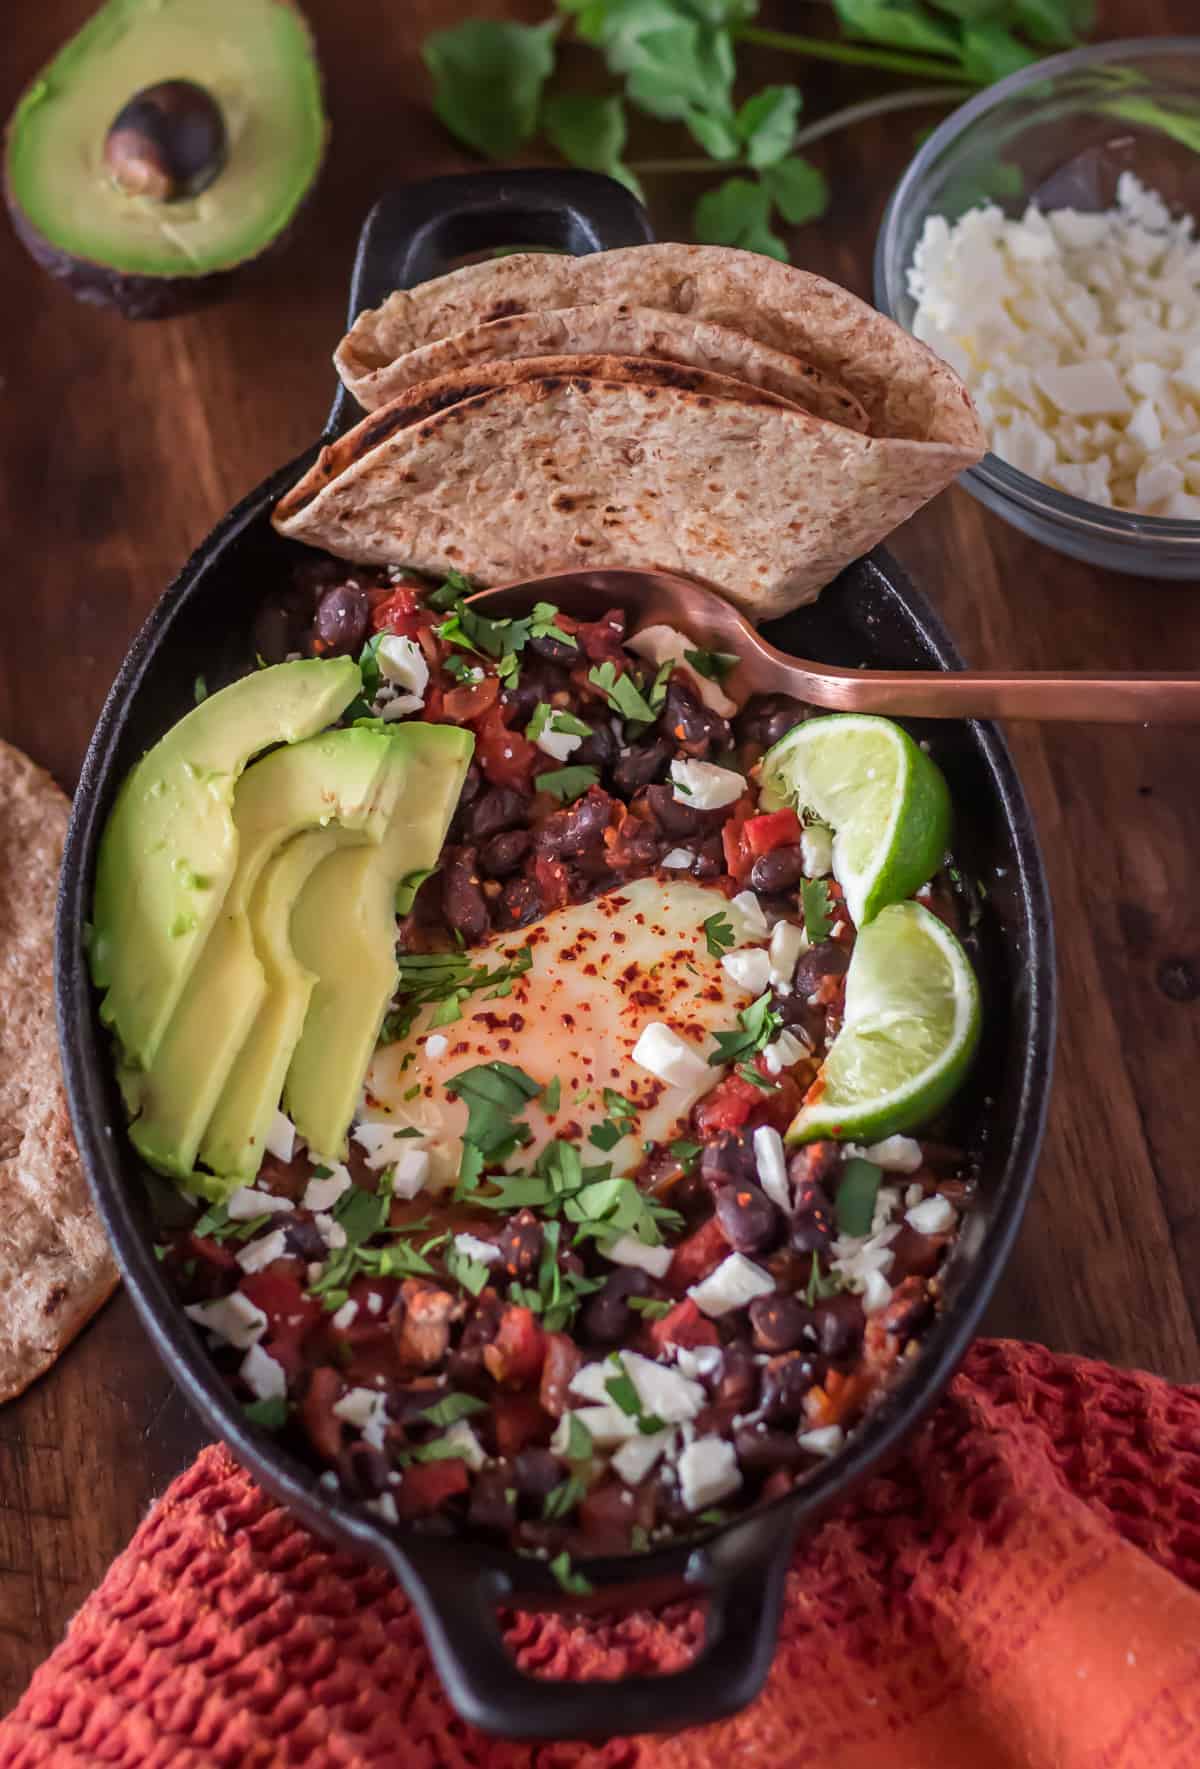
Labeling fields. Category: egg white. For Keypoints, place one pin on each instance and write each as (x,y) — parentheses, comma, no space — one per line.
(601,972)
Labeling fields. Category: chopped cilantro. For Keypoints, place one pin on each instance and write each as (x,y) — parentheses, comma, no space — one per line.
(550,718)
(552,1096)
(686,1153)
(652,1308)
(562,1499)
(814,900)
(493,1094)
(446,978)
(579,1439)
(543,625)
(271,1413)
(618,1105)
(759,1026)
(472,1274)
(199,690)
(440,1449)
(623,1394)
(487,638)
(605,1136)
(820,1284)
(623,693)
(716,665)
(718,934)
(567,784)
(712,1516)
(452,589)
(160,1249)
(368,664)
(571,1581)
(454,1408)
(215,1224)
(856,1195)
(406,890)
(749,1073)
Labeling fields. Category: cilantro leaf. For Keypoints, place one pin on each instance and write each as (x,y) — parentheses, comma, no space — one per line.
(552,1096)
(990,51)
(814,901)
(579,1439)
(605,1136)
(488,77)
(543,624)
(856,1195)
(493,1094)
(715,665)
(589,130)
(622,693)
(472,1274)
(271,1413)
(766,124)
(798,190)
(757,1026)
(685,1153)
(651,1308)
(453,588)
(447,978)
(718,934)
(623,1394)
(571,1581)
(820,1284)
(453,1408)
(410,884)
(562,1499)
(552,718)
(738,213)
(567,784)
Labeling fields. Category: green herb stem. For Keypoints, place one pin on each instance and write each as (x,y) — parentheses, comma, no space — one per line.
(852,54)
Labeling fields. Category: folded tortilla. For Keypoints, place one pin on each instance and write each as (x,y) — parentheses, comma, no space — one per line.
(517,469)
(908,393)
(612,328)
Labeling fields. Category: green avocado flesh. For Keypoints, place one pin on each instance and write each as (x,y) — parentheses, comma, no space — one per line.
(344,932)
(351,778)
(169,851)
(254,57)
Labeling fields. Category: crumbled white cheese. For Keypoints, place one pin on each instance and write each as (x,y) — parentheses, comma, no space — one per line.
(704,786)
(935,1216)
(736,1281)
(628,1250)
(330,1231)
(876,1292)
(708,1472)
(666,1393)
(410,1173)
(263,1374)
(436,1046)
(606,1425)
(699,1361)
(555,742)
(749,968)
(787,943)
(771,1163)
(783,1052)
(746,917)
(374,1302)
(323,1194)
(637,1455)
(1077,335)
(382,1142)
(360,1406)
(816,850)
(402,662)
(345,1316)
(281,1138)
(245,1204)
(895,1154)
(660,642)
(668,1057)
(467,1445)
(384,1506)
(237,1320)
(824,1440)
(256,1255)
(472,1247)
(678,860)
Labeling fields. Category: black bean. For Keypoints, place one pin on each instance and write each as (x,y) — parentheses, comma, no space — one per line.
(536,1473)
(737,1385)
(760,1449)
(840,1323)
(778,1322)
(826,959)
(364,1470)
(577,829)
(463,902)
(777,871)
(748,1219)
(341,621)
(607,1317)
(500,856)
(675,818)
(520,903)
(729,1160)
(493,1503)
(786,1380)
(710,858)
(767,717)
(692,726)
(813,1223)
(554,650)
(304,1240)
(520,1244)
(281,627)
(640,764)
(597,751)
(501,807)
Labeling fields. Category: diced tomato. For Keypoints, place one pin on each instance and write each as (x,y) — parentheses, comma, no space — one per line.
(602,640)
(516,1353)
(212,1252)
(563,1358)
(507,758)
(463,706)
(739,857)
(395,613)
(771,830)
(554,886)
(686,1326)
(325,1429)
(610,1511)
(427,1485)
(728,1106)
(518,1419)
(291,1314)
(694,1258)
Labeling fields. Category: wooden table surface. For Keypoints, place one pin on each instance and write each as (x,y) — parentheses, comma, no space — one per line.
(123,444)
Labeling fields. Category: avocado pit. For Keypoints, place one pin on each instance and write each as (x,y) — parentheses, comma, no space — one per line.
(168,142)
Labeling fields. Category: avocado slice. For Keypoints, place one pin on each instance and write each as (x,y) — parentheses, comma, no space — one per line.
(347,777)
(344,931)
(169,850)
(237,1133)
(151,254)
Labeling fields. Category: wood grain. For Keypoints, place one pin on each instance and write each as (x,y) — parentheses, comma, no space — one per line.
(121,445)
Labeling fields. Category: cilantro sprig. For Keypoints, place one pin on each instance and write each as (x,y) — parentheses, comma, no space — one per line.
(818,909)
(757,1026)
(715,665)
(567,784)
(639,708)
(447,979)
(718,934)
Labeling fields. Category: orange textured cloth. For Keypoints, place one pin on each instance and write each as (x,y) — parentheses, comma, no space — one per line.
(1020,1591)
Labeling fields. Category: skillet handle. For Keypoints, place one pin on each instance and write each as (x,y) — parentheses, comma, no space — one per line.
(421,230)
(742,1573)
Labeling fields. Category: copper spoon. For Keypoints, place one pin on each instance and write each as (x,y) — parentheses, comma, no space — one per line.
(652,598)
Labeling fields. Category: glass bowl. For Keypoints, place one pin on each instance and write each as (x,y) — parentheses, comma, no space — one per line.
(1061,132)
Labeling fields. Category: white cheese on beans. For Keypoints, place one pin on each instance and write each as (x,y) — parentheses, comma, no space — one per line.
(816,851)
(637,1455)
(246,1203)
(258,1254)
(746,917)
(382,1143)
(410,1173)
(785,1050)
(771,1163)
(668,1057)
(704,786)
(708,1472)
(628,1250)
(263,1374)
(936,1216)
(360,1407)
(678,860)
(749,968)
(323,1194)
(824,1440)
(237,1320)
(472,1247)
(736,1281)
(895,1154)
(466,1445)
(281,1138)
(660,642)
(402,662)
(787,943)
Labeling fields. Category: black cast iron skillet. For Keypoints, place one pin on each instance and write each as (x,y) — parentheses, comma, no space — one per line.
(870,614)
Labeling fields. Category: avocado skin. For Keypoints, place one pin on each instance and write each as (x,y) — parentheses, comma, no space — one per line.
(136,295)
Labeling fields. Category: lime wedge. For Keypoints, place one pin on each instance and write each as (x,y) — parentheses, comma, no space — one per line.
(886,802)
(910,1031)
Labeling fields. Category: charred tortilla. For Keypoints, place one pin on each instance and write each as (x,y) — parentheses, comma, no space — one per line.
(55,1266)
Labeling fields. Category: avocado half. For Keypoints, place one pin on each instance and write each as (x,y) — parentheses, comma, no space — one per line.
(153,255)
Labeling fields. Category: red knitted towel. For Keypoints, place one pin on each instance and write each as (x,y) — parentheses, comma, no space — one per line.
(1021,1591)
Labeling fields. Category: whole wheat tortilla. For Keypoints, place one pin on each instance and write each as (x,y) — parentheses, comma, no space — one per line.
(570,469)
(621,329)
(906,391)
(55,1266)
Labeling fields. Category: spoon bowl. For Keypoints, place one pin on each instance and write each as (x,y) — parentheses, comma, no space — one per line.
(666,598)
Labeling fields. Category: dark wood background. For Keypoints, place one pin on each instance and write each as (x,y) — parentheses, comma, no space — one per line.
(122,445)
